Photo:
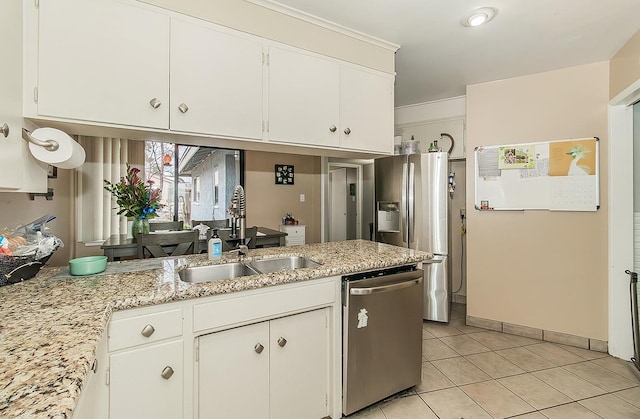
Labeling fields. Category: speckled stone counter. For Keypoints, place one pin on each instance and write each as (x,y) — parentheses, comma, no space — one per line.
(50,325)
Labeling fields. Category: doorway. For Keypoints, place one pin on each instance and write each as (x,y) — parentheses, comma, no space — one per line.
(345,201)
(622,188)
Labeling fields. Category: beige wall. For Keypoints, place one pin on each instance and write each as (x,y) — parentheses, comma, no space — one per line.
(261,21)
(17,208)
(541,269)
(625,66)
(267,202)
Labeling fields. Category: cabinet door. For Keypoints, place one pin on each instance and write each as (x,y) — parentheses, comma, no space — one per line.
(216,79)
(299,366)
(233,373)
(94,398)
(303,98)
(20,171)
(137,386)
(10,85)
(103,60)
(366,110)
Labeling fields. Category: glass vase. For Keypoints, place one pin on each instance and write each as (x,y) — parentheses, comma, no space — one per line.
(139,226)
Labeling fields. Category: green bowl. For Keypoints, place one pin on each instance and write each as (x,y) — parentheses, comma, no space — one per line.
(88,265)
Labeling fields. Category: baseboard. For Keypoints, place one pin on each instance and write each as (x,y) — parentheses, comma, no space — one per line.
(540,334)
(460,299)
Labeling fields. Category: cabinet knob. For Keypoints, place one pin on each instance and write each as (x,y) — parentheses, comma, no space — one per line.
(147,331)
(347,131)
(258,348)
(167,372)
(332,128)
(282,341)
(155,103)
(4,130)
(183,108)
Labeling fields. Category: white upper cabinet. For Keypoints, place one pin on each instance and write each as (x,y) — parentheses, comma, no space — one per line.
(11,99)
(216,81)
(104,61)
(21,172)
(366,110)
(128,64)
(303,98)
(323,102)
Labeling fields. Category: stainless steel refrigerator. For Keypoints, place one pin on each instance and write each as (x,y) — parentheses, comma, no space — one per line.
(412,211)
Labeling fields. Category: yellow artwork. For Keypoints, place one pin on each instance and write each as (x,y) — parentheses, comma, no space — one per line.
(572,158)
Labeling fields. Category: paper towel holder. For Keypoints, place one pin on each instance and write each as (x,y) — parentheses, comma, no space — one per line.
(50,145)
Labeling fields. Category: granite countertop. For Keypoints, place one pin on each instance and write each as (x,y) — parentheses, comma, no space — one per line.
(50,325)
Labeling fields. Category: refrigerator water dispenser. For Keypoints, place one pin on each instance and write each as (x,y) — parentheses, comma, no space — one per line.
(388,217)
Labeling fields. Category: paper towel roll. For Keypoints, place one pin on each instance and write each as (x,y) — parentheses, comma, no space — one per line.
(69,154)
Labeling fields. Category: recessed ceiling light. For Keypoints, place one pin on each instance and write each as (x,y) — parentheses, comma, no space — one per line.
(478,17)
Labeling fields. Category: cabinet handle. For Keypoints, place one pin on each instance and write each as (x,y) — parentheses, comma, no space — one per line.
(155,103)
(332,128)
(167,372)
(347,131)
(4,130)
(282,341)
(147,331)
(183,108)
(94,366)
(258,348)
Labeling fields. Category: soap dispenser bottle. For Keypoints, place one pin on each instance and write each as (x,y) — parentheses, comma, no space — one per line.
(214,247)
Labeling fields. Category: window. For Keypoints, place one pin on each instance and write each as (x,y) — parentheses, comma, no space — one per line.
(205,179)
(204,176)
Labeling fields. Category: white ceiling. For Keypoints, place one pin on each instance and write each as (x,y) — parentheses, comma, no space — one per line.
(438,57)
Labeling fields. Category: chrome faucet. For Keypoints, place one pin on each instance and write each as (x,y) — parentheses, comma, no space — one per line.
(242,250)
(237,209)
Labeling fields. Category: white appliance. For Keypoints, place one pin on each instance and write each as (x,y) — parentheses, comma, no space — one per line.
(412,211)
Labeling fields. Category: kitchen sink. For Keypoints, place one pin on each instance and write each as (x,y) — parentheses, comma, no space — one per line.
(237,269)
(216,272)
(282,264)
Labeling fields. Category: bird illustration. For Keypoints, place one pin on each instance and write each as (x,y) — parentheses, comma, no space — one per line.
(574,169)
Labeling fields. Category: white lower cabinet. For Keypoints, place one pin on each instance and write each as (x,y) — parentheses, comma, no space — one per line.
(273,369)
(94,398)
(147,382)
(298,370)
(237,355)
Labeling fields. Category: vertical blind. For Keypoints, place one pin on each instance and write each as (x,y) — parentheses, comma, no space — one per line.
(96,208)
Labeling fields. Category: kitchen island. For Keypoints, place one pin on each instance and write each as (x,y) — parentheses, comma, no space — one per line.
(51,325)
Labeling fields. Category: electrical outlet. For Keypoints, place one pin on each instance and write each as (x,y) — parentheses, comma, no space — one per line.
(301,197)
(463,213)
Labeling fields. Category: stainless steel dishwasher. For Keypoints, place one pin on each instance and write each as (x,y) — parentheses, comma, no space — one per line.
(382,334)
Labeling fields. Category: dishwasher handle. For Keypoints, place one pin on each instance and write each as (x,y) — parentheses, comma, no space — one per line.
(387,288)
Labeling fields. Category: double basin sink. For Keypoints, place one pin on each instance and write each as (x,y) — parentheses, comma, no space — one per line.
(238,269)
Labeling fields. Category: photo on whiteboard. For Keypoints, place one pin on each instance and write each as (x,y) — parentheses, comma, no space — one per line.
(517,157)
(572,158)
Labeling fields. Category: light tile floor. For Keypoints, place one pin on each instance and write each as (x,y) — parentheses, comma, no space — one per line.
(471,373)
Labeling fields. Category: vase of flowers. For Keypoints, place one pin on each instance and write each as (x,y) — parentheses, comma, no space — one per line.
(136,199)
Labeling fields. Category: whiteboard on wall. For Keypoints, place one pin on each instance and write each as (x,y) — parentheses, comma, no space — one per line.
(553,175)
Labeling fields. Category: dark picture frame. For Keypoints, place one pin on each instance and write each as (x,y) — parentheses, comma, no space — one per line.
(284,174)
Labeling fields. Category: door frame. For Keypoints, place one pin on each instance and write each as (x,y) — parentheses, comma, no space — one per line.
(332,200)
(620,185)
(326,198)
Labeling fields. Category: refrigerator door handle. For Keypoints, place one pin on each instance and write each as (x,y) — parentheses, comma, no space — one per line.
(403,204)
(412,203)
